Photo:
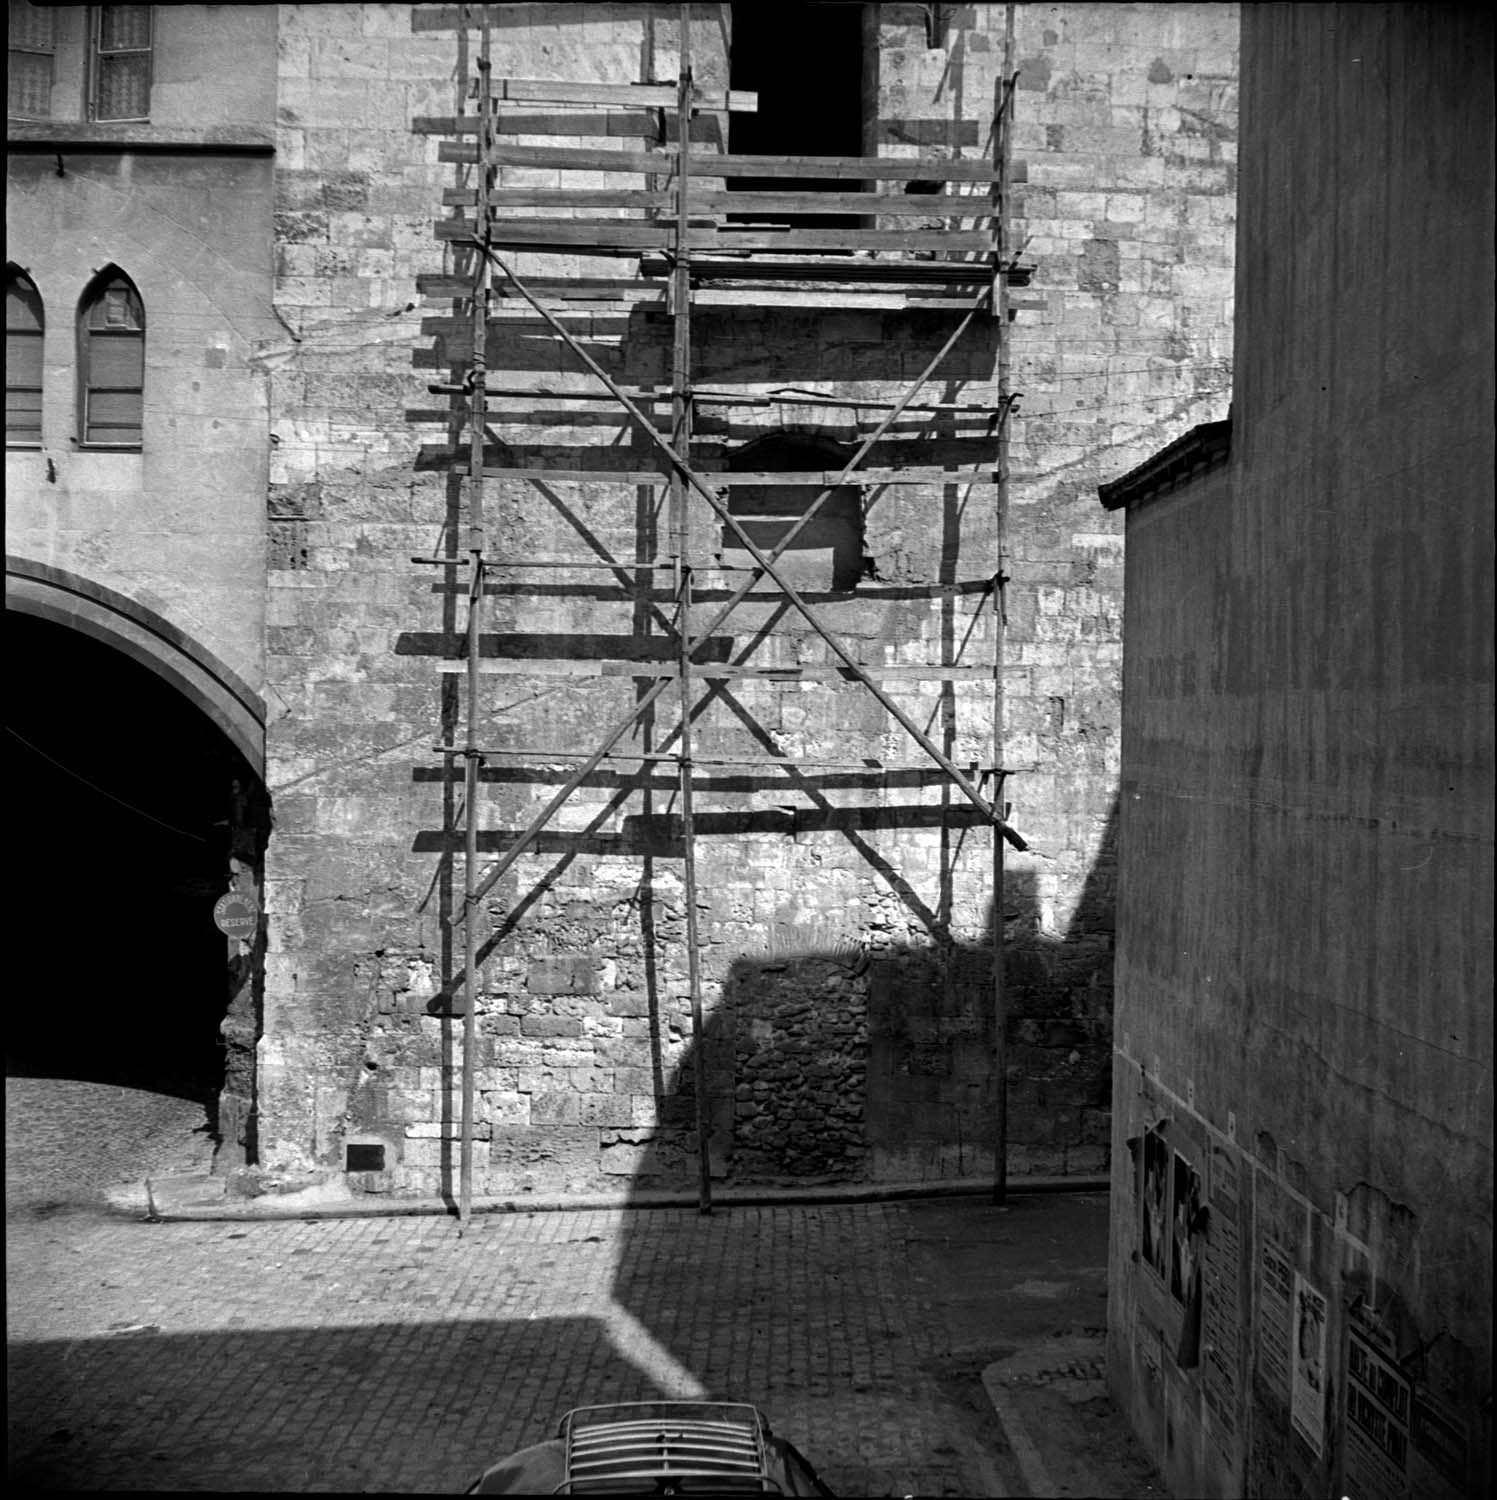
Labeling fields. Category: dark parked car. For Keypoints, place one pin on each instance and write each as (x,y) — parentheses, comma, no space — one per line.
(656,1448)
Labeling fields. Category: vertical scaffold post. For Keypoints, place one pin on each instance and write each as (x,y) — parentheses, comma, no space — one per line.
(681,430)
(1004,103)
(472,758)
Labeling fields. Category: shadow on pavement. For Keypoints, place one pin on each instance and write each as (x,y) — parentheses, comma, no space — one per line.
(394,1407)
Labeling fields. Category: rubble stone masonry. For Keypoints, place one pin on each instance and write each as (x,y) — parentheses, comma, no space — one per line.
(845,924)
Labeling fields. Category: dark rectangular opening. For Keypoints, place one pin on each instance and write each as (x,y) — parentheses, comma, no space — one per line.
(805,62)
(365,1158)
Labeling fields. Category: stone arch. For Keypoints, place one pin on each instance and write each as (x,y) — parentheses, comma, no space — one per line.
(52,593)
(828,553)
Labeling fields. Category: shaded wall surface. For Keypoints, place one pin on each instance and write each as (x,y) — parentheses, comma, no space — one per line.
(815,880)
(1301,1284)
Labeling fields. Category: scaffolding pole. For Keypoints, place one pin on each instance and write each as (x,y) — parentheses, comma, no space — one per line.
(472,756)
(681,431)
(1000,623)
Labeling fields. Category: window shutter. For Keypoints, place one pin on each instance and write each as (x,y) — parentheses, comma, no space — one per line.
(114,417)
(122,63)
(124,28)
(116,363)
(23,362)
(28,86)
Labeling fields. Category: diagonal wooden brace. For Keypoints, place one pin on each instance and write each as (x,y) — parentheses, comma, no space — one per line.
(767,564)
(617,731)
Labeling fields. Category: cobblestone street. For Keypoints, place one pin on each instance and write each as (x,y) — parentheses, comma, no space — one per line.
(393,1354)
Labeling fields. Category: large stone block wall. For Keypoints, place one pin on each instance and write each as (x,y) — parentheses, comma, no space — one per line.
(1124,177)
(845,922)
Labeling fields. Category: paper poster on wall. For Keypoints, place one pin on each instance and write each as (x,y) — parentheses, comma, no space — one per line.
(1155,1228)
(1307,1365)
(1376,1445)
(1221,1315)
(1439,1449)
(1275,1288)
(1186,1212)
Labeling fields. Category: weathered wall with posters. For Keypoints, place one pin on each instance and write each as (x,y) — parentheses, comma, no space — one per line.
(1301,1285)
(846,930)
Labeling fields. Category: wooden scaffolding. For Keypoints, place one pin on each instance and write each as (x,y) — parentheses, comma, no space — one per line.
(689,253)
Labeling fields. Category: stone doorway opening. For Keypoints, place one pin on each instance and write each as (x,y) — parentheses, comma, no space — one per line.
(131,814)
(805,62)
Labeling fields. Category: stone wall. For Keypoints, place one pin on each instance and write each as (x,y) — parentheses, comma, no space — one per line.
(1124,151)
(845,920)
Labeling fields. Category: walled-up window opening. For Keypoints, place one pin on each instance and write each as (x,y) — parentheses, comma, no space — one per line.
(111,361)
(25,323)
(828,553)
(119,77)
(31,47)
(805,62)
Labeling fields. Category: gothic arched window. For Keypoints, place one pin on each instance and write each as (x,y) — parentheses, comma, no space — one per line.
(111,361)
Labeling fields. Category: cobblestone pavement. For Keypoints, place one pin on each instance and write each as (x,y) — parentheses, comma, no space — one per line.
(69,1144)
(393,1354)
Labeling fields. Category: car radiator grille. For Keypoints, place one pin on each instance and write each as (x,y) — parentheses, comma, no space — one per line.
(718,1449)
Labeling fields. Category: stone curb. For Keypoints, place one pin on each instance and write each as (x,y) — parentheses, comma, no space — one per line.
(1033,1428)
(203,1197)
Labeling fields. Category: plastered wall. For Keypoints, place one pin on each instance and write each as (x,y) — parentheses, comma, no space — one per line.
(1301,1283)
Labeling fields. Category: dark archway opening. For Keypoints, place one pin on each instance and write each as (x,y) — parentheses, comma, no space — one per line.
(828,553)
(127,807)
(805,62)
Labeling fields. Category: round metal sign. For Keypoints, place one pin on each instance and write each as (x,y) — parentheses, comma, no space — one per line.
(236,916)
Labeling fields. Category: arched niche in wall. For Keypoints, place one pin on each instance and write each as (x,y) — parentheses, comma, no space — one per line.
(827,556)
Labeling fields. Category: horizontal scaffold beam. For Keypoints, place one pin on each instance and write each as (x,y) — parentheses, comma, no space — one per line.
(631,236)
(840,270)
(708,200)
(721,671)
(800,479)
(662,162)
(555,91)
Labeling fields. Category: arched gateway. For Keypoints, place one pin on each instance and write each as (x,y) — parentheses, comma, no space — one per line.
(135,764)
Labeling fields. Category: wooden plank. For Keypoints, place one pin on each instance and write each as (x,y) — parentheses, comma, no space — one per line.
(844,270)
(604,234)
(662,162)
(610,124)
(718,479)
(892,205)
(555,667)
(439,284)
(627,295)
(631,95)
(820,300)
(559,198)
